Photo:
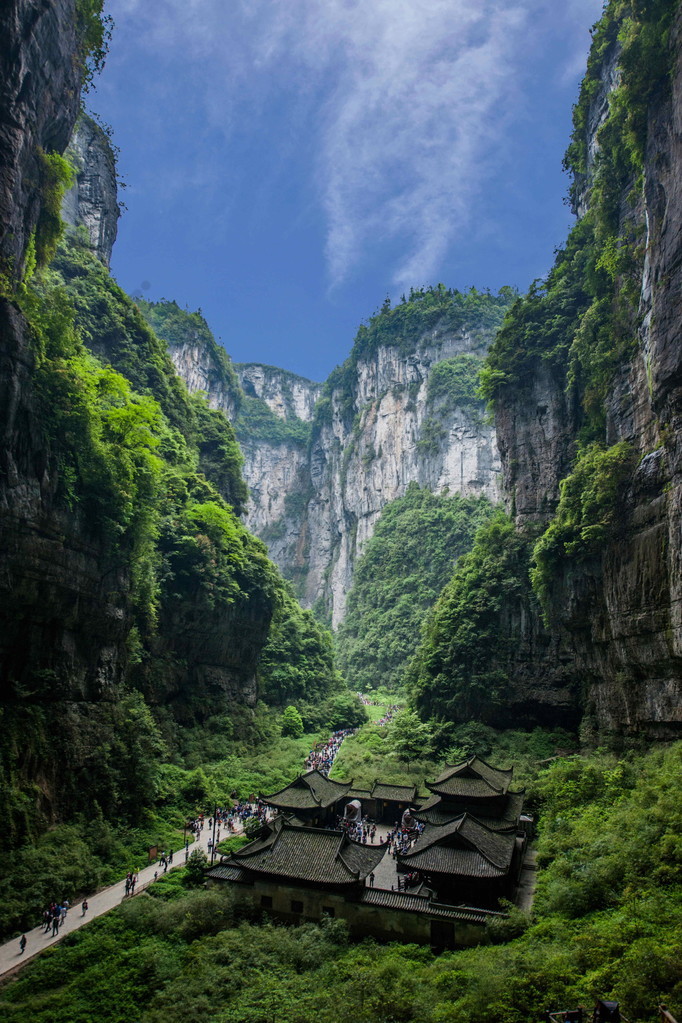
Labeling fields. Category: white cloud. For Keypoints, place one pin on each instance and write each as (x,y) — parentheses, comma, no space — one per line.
(407,101)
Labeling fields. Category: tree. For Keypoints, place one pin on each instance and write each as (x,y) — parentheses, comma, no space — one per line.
(292,723)
(409,737)
(196,865)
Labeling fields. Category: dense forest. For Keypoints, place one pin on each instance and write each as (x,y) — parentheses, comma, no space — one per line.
(399,575)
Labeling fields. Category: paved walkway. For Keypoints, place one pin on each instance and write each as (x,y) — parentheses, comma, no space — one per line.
(37,940)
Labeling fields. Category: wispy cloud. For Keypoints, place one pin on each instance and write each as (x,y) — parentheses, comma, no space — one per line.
(407,102)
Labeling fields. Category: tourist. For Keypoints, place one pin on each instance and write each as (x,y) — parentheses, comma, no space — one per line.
(84,907)
(23,941)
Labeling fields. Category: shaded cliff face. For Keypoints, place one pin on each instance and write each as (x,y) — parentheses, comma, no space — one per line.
(615,614)
(39,100)
(53,594)
(92,201)
(322,462)
(123,567)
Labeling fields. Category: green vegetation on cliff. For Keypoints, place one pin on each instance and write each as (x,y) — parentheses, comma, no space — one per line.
(298,661)
(426,311)
(576,330)
(145,480)
(454,383)
(257,422)
(401,571)
(461,669)
(582,320)
(607,921)
(588,516)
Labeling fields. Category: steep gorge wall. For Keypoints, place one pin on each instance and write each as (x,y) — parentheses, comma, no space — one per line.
(92,201)
(616,615)
(316,494)
(365,456)
(77,633)
(62,622)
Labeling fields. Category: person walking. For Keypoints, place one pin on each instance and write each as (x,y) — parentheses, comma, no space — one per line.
(84,907)
(22,944)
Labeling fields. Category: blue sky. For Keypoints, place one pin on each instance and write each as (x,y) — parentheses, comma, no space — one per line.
(290,162)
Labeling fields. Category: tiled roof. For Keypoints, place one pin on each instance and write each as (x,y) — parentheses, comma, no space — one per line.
(311,791)
(439,810)
(226,873)
(396,793)
(465,847)
(473,778)
(422,904)
(359,794)
(308,854)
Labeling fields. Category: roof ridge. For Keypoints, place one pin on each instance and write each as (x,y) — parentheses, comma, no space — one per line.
(312,792)
(482,852)
(339,853)
(502,770)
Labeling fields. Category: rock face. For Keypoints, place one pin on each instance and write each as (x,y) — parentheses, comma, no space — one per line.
(63,621)
(316,500)
(287,395)
(53,574)
(39,100)
(66,593)
(92,202)
(618,620)
(360,462)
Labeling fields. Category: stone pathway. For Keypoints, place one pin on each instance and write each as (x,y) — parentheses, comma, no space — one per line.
(37,940)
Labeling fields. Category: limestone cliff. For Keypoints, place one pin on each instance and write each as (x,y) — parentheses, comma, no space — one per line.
(288,395)
(39,99)
(322,461)
(614,610)
(99,593)
(92,201)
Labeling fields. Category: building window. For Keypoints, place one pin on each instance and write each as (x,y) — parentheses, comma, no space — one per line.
(266,901)
(296,906)
(329,911)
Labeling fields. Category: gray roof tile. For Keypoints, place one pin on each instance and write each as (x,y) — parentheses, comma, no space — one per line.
(308,854)
(465,847)
(472,778)
(310,791)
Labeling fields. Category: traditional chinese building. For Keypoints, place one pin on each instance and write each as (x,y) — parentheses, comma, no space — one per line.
(313,797)
(473,787)
(467,860)
(295,872)
(384,802)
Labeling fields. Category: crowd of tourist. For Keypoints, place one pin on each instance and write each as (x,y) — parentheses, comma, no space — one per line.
(389,715)
(401,839)
(364,830)
(323,756)
(229,819)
